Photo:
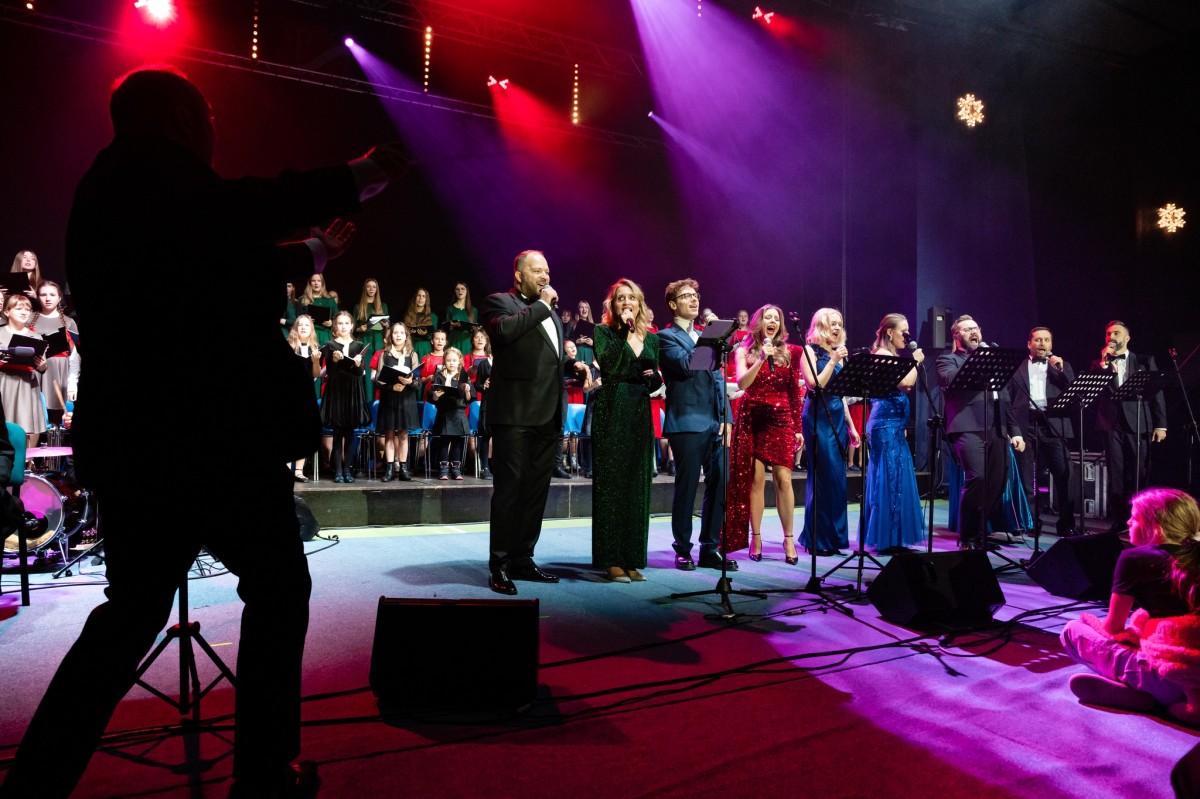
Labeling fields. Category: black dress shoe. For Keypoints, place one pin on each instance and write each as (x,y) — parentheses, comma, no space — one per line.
(685,563)
(532,574)
(561,473)
(715,562)
(500,583)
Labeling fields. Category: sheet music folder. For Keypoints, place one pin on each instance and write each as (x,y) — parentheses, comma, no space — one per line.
(1084,389)
(870,376)
(706,355)
(987,368)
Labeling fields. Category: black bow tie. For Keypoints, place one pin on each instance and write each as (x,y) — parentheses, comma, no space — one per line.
(1112,358)
(1035,359)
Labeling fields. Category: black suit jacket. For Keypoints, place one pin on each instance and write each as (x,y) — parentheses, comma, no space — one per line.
(149,214)
(1056,382)
(527,367)
(1109,412)
(965,410)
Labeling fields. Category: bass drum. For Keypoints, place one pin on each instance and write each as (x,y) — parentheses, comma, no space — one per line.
(67,509)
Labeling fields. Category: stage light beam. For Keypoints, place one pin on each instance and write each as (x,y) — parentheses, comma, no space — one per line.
(348,42)
(159,12)
(766,17)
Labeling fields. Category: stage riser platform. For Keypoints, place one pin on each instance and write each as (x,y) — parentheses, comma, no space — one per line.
(372,502)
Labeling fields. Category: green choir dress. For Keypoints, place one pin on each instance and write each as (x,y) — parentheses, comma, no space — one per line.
(324,334)
(373,337)
(460,338)
(422,343)
(622,451)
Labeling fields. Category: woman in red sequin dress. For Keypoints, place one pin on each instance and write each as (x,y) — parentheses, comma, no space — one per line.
(766,431)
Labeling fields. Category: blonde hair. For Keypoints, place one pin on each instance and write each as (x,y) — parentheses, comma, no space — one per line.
(294,337)
(446,354)
(307,297)
(819,329)
(613,319)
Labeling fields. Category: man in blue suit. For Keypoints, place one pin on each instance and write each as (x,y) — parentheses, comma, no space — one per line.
(697,425)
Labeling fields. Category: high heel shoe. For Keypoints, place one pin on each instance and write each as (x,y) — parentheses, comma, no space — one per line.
(754,557)
(791,560)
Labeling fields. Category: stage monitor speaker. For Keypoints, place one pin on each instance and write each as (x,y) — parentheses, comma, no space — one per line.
(455,654)
(937,589)
(1078,568)
(939,322)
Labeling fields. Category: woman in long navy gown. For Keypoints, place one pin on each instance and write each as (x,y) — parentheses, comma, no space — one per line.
(825,527)
(892,518)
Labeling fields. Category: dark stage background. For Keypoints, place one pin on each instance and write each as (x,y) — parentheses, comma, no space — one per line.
(818,163)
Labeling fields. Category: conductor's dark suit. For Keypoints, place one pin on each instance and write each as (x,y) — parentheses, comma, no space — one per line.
(980,449)
(147,211)
(1117,423)
(696,405)
(1046,437)
(525,416)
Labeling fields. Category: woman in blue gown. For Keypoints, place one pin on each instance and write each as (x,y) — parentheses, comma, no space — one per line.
(825,527)
(892,519)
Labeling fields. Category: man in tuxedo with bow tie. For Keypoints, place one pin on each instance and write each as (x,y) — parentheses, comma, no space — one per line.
(1118,424)
(525,414)
(1033,388)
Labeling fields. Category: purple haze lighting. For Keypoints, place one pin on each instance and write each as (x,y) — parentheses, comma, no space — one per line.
(349,42)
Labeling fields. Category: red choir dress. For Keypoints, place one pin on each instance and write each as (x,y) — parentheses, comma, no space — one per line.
(764,428)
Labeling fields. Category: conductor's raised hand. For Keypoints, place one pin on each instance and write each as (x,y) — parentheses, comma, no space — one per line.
(391,158)
(337,237)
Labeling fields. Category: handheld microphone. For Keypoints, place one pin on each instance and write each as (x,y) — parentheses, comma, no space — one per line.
(710,317)
(770,359)
(18,352)
(910,343)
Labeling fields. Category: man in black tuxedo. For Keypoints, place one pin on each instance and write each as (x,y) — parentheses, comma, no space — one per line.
(1034,387)
(525,414)
(697,424)
(1117,423)
(152,208)
(979,428)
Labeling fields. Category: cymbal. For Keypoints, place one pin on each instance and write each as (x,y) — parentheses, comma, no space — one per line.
(48,452)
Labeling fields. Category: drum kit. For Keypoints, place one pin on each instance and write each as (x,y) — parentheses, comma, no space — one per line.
(60,514)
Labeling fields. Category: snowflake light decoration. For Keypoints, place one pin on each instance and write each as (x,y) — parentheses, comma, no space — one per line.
(1170,218)
(970,110)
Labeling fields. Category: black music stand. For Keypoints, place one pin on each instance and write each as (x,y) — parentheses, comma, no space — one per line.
(1137,387)
(1083,392)
(185,632)
(712,352)
(989,369)
(867,376)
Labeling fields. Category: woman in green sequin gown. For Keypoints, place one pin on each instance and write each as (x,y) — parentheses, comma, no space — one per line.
(622,435)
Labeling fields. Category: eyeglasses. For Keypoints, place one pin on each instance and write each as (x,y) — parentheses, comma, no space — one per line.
(687,296)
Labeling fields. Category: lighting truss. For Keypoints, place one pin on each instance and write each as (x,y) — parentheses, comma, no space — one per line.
(470,26)
(315,77)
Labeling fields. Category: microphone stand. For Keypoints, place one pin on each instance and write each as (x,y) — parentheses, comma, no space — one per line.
(937,429)
(814,585)
(724,588)
(1191,416)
